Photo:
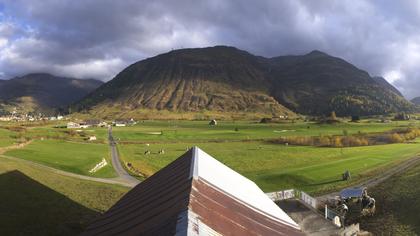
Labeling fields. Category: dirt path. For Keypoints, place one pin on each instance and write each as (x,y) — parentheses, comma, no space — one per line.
(405,165)
(16,146)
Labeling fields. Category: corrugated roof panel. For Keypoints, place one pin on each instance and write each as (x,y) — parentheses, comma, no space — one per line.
(194,195)
(228,215)
(152,207)
(237,185)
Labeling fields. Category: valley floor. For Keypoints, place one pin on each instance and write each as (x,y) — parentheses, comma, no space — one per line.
(242,145)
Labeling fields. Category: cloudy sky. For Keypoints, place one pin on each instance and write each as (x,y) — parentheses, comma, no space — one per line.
(98,38)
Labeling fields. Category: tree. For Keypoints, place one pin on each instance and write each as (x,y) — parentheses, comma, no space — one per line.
(333,116)
(355,118)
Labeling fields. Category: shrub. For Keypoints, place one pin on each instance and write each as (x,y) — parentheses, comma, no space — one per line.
(395,138)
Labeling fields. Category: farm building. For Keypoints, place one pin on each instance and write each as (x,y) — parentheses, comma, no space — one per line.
(92,123)
(73,125)
(124,122)
(188,198)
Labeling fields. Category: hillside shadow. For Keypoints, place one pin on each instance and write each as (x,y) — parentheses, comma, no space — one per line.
(28,207)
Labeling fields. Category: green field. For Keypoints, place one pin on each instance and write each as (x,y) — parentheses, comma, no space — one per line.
(35,201)
(275,167)
(181,131)
(70,156)
(50,132)
(242,145)
(7,137)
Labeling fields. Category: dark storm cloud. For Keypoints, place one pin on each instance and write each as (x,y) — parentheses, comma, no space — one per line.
(98,38)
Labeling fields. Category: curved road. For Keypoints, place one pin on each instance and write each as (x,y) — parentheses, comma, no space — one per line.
(119,169)
(116,180)
(123,178)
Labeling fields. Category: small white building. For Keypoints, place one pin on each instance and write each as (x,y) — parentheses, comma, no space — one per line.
(73,125)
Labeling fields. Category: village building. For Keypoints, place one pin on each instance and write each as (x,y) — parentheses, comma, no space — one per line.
(6,118)
(92,123)
(195,195)
(73,125)
(102,124)
(124,122)
(84,125)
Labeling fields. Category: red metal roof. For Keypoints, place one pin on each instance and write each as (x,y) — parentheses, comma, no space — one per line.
(174,202)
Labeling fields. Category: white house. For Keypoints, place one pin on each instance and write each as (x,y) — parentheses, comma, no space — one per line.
(73,125)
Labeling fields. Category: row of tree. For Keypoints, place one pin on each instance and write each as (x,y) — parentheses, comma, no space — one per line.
(345,140)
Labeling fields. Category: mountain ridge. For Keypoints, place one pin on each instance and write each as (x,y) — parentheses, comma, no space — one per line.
(43,92)
(225,78)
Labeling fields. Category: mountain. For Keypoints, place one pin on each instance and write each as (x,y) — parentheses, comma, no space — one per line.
(227,79)
(222,79)
(380,80)
(42,92)
(416,100)
(317,83)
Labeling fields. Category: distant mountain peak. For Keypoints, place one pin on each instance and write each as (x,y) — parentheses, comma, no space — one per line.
(317,53)
(382,81)
(416,101)
(44,92)
(223,78)
(38,74)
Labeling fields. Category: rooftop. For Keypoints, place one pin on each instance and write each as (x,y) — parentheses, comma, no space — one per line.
(195,195)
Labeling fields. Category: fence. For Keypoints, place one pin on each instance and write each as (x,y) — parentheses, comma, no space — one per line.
(292,193)
(282,195)
(333,216)
(306,198)
(330,214)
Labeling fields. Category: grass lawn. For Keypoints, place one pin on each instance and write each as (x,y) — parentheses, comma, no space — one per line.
(50,132)
(35,201)
(6,137)
(69,156)
(178,131)
(397,206)
(275,167)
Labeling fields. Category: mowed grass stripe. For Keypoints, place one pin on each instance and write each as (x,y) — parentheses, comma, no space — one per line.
(74,157)
(6,137)
(275,167)
(179,131)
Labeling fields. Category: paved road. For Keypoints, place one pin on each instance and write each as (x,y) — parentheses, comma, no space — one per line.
(119,169)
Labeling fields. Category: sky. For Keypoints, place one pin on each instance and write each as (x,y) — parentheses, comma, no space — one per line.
(99,38)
